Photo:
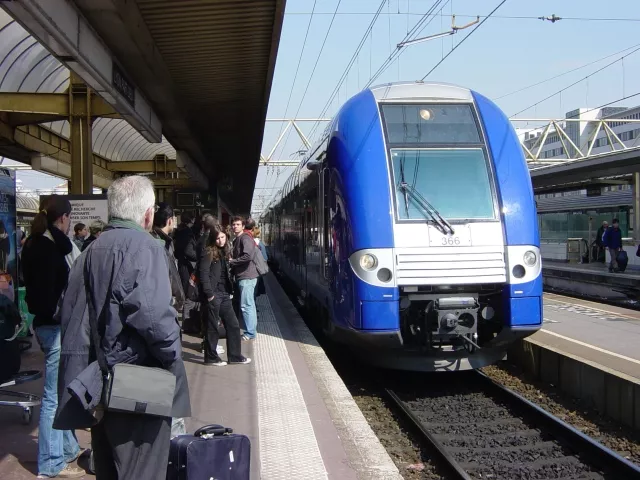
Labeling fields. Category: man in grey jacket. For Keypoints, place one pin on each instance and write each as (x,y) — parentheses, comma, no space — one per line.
(128,280)
(246,275)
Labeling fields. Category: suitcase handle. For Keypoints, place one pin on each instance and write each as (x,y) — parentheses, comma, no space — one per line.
(212,430)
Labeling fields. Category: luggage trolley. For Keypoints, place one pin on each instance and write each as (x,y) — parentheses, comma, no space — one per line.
(26,401)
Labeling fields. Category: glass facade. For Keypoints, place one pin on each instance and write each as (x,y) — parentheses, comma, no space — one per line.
(560,226)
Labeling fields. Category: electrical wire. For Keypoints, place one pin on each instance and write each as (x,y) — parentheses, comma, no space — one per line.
(575,83)
(464,39)
(349,65)
(295,77)
(565,73)
(410,36)
(503,17)
(312,72)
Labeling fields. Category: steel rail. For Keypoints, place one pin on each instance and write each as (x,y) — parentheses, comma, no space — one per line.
(597,454)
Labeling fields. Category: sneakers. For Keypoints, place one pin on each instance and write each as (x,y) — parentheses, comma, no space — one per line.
(215,363)
(243,361)
(219,349)
(245,338)
(67,472)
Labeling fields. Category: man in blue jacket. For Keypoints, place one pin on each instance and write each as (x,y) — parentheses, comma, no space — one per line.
(613,241)
(128,280)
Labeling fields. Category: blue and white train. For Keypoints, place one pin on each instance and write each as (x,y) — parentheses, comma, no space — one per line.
(411,225)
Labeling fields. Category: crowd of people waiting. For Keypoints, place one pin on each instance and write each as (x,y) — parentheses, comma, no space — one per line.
(110,296)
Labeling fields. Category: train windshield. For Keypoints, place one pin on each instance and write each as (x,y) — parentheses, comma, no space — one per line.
(437,154)
(454,181)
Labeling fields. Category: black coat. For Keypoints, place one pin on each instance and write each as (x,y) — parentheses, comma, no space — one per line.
(209,273)
(177,290)
(87,242)
(184,243)
(46,273)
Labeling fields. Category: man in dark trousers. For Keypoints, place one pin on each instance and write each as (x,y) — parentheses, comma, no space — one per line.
(601,248)
(163,226)
(184,241)
(613,241)
(128,280)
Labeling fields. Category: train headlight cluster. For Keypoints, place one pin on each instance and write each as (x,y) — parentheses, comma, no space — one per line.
(529,258)
(524,263)
(368,261)
(374,266)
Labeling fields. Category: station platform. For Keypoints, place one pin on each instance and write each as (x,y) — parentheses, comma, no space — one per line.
(592,280)
(302,421)
(590,351)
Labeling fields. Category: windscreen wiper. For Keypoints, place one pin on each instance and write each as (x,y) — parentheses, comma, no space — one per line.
(442,225)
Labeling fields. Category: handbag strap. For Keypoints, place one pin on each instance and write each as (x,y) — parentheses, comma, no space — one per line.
(93,319)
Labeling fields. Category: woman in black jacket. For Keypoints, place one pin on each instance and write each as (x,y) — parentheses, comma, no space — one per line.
(46,258)
(216,289)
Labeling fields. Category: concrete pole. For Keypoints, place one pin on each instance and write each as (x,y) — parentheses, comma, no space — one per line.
(80,123)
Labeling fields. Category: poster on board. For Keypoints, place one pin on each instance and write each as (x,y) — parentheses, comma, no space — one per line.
(8,257)
(85,209)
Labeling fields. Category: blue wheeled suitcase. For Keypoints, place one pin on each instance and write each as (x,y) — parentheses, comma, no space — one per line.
(212,452)
(622,259)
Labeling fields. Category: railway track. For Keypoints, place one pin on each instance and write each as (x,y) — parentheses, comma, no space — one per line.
(481,430)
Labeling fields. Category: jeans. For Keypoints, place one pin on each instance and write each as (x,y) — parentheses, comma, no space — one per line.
(248,305)
(56,448)
(221,309)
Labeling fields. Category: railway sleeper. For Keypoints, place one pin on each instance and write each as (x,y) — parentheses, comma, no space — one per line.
(548,469)
(523,437)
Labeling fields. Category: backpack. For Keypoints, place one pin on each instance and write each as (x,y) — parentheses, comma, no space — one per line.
(258,261)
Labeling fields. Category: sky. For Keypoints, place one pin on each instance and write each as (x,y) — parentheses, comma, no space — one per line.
(506,53)
(502,56)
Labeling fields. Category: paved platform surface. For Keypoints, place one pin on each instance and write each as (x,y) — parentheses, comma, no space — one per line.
(301,420)
(597,268)
(604,334)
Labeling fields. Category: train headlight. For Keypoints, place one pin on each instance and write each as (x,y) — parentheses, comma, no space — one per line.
(529,258)
(368,261)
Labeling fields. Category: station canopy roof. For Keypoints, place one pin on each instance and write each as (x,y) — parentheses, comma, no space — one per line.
(218,59)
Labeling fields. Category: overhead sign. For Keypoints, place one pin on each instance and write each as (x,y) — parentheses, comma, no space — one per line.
(594,190)
(85,209)
(8,257)
(123,86)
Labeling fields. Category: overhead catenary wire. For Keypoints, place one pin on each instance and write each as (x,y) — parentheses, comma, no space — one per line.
(519,90)
(463,40)
(576,82)
(415,31)
(502,17)
(295,76)
(306,89)
(349,65)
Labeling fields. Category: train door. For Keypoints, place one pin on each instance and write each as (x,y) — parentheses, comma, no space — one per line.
(325,212)
(311,241)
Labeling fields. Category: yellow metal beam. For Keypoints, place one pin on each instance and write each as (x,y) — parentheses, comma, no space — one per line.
(182,182)
(38,139)
(143,166)
(32,108)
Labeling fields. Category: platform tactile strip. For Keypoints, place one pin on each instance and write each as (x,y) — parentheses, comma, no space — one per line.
(288,446)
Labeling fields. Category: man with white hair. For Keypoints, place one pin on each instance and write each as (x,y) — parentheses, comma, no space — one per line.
(128,281)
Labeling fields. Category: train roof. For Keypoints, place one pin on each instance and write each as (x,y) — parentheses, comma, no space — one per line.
(420,91)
